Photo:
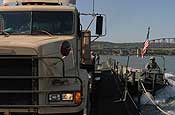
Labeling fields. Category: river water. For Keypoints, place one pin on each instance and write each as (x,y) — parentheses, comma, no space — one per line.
(165,97)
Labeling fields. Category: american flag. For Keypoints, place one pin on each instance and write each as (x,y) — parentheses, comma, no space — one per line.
(146,44)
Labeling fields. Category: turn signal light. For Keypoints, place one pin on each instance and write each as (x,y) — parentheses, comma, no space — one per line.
(77,98)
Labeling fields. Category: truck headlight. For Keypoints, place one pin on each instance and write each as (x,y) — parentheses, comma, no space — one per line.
(67,96)
(54,97)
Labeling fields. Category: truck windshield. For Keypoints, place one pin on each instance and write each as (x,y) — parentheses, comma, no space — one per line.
(35,22)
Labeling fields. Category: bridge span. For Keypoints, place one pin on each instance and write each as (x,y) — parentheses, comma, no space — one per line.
(163,40)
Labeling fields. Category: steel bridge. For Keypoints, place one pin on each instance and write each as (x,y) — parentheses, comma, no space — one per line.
(163,40)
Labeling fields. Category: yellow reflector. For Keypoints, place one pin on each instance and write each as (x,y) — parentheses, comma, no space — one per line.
(77,98)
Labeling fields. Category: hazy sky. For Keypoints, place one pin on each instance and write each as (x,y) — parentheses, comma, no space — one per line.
(128,20)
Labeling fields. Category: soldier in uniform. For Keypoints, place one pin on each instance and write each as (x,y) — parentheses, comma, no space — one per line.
(152,64)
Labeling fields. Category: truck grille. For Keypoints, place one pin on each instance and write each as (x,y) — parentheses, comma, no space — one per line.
(13,73)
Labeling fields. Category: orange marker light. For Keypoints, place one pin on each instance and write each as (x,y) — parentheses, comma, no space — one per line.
(77,98)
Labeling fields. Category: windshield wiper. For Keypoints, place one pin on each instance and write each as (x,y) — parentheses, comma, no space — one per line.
(36,32)
(7,31)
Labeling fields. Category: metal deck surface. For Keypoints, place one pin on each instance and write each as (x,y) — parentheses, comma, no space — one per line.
(105,94)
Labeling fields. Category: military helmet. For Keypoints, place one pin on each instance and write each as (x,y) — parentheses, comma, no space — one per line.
(152,58)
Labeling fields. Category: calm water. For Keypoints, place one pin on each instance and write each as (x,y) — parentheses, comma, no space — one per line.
(138,62)
(165,97)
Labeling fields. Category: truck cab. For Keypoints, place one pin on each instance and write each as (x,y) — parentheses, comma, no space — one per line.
(40,56)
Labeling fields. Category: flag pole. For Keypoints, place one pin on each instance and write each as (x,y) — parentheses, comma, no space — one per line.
(148,33)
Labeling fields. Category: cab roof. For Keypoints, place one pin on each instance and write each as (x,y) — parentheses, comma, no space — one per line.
(37,8)
(40,1)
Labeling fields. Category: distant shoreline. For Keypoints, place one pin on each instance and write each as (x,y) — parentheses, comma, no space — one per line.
(124,49)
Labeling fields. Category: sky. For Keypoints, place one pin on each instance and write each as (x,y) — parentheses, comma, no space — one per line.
(128,20)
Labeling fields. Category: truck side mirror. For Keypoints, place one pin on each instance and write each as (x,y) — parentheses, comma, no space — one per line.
(99,25)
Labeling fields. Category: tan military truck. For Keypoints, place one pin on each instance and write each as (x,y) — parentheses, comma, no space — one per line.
(41,50)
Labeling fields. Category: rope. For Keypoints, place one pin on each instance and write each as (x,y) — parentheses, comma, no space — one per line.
(146,93)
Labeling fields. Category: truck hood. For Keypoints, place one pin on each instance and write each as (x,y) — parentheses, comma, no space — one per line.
(26,42)
(30,41)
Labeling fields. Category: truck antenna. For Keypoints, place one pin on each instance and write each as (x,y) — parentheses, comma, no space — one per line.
(93,9)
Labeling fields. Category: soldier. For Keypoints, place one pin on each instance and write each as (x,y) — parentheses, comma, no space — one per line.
(152,64)
(93,57)
(98,59)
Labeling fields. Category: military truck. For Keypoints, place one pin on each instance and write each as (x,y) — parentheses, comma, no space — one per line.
(44,58)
